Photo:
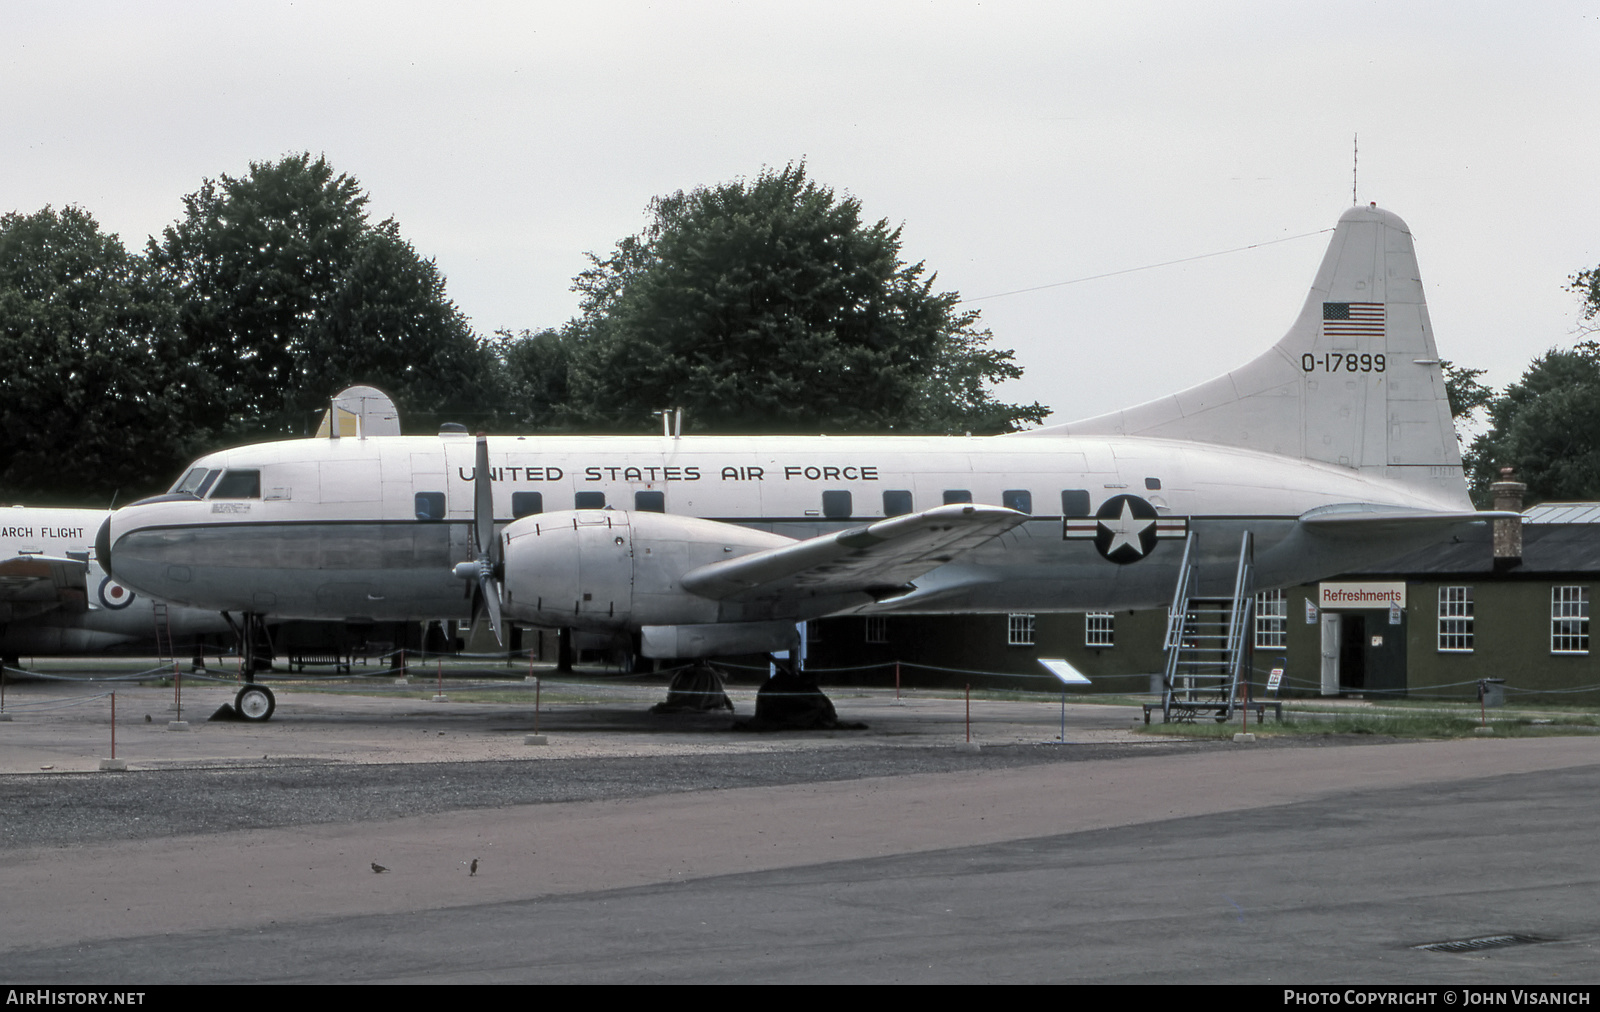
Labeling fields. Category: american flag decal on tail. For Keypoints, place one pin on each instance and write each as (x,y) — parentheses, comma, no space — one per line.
(1352,319)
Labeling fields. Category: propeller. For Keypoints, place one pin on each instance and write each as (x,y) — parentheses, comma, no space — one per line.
(485,566)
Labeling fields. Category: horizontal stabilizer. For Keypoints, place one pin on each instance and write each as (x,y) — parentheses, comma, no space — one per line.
(879,559)
(1365,521)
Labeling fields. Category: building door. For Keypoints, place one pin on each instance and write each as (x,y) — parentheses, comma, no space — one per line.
(1353,652)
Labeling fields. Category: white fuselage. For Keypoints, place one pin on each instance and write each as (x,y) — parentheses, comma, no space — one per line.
(370,528)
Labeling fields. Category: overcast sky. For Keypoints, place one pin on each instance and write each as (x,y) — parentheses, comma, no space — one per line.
(1020,144)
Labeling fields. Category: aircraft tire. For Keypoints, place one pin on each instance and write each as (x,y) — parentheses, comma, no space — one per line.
(255,703)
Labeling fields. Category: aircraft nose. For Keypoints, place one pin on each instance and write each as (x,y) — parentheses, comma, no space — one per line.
(102,546)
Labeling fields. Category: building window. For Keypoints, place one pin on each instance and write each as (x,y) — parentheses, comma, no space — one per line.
(877,629)
(1099,629)
(1455,620)
(1019,630)
(1569,620)
(1272,620)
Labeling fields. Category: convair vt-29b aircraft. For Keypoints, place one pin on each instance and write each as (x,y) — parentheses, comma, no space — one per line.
(1335,448)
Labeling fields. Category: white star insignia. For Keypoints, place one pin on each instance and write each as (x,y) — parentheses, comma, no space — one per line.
(1126,530)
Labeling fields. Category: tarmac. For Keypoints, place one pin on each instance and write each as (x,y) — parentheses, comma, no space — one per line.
(642,848)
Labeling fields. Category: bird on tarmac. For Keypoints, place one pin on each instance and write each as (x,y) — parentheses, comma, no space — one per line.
(474,869)
(380,869)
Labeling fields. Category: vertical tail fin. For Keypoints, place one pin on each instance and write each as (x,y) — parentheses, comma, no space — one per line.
(1356,382)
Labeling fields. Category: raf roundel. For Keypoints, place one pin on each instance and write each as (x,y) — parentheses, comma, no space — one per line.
(114,595)
(1125,528)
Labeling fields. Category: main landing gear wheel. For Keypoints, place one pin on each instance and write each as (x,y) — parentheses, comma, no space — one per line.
(255,703)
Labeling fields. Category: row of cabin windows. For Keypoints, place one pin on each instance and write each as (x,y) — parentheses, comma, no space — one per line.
(1569,620)
(837,505)
(245,483)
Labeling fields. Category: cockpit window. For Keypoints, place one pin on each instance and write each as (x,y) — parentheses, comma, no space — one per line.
(197,481)
(239,483)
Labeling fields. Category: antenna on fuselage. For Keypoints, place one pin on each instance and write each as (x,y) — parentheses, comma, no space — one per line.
(671,422)
(1355,156)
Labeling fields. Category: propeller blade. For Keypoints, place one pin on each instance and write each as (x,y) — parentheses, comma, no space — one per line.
(483,569)
(491,597)
(482,502)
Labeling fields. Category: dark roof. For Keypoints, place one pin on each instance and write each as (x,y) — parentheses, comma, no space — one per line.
(1548,550)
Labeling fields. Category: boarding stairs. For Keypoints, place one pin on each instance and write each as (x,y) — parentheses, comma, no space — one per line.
(163,620)
(1208,643)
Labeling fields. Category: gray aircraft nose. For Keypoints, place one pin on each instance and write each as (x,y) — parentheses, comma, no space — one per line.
(102,546)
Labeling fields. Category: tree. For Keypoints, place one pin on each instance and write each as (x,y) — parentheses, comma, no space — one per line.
(535,370)
(1465,393)
(289,292)
(770,306)
(98,393)
(1547,426)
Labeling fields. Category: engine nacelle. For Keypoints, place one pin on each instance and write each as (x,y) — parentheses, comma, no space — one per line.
(618,570)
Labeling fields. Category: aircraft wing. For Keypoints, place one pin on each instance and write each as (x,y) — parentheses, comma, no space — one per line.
(1361,520)
(879,559)
(30,584)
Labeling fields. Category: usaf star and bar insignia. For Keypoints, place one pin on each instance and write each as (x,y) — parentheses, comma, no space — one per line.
(1125,528)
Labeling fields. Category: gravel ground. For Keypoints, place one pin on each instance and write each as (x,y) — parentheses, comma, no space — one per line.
(54,809)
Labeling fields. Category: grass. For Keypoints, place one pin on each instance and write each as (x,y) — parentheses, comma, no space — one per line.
(1436,724)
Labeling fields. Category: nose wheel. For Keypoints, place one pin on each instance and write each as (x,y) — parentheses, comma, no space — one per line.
(255,703)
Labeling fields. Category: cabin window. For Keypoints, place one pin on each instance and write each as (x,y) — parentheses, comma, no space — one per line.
(1100,629)
(877,629)
(1272,620)
(1075,502)
(896,504)
(1152,484)
(429,505)
(952,495)
(1019,630)
(589,501)
(1569,620)
(1019,499)
(836,505)
(239,483)
(526,504)
(650,501)
(1455,620)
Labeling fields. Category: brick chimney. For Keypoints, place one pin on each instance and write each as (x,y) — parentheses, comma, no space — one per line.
(1508,494)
